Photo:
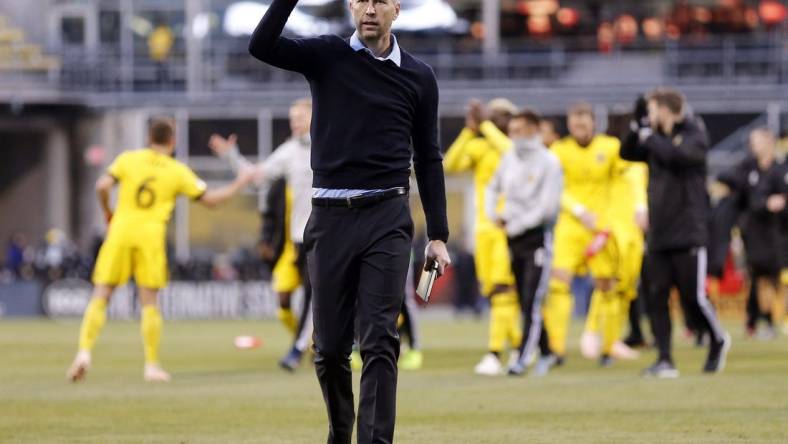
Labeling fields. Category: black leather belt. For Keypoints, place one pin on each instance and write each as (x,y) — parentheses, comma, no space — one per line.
(364,200)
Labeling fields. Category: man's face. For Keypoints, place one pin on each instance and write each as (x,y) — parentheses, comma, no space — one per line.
(653,112)
(761,144)
(657,114)
(373,18)
(520,128)
(581,127)
(300,120)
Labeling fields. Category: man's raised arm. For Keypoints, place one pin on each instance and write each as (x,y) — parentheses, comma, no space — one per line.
(268,45)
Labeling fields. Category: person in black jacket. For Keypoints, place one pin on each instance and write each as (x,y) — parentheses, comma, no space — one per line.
(674,145)
(773,196)
(759,227)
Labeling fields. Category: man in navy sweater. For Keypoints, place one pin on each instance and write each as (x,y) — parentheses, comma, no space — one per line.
(375,108)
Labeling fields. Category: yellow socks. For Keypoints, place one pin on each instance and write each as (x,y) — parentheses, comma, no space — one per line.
(288,319)
(92,322)
(557,313)
(593,319)
(612,320)
(504,321)
(151,333)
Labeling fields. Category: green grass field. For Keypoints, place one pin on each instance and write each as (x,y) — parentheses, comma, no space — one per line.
(223,395)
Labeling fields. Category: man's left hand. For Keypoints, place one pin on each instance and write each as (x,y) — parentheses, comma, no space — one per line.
(436,252)
(221,146)
(641,219)
(776,203)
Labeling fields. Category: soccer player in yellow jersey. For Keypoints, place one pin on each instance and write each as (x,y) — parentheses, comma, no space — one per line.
(149,181)
(628,214)
(479,149)
(590,164)
(285,277)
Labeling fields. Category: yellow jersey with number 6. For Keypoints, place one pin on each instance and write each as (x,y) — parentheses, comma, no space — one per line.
(149,184)
(135,245)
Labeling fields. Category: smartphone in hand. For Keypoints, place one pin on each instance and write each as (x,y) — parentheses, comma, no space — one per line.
(427,280)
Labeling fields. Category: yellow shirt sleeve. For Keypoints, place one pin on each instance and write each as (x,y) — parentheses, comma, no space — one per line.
(191,185)
(569,203)
(637,174)
(118,167)
(457,158)
(495,137)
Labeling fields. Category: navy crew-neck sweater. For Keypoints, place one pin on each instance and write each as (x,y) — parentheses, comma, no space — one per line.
(367,114)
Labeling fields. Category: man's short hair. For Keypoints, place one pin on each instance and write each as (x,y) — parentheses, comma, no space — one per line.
(306,102)
(502,105)
(764,131)
(581,108)
(670,98)
(529,116)
(161,131)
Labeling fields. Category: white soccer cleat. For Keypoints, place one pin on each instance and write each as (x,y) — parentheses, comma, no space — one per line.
(79,368)
(590,345)
(490,365)
(624,352)
(544,364)
(154,373)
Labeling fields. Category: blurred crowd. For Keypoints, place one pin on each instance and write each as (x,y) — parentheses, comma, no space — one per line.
(626,22)
(56,257)
(48,259)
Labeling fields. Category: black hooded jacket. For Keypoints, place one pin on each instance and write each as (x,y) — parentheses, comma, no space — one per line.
(759,227)
(776,182)
(677,197)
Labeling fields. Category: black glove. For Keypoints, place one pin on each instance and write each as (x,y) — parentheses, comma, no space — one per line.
(640,112)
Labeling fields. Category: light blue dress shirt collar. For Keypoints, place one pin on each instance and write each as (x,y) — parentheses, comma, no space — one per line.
(395,55)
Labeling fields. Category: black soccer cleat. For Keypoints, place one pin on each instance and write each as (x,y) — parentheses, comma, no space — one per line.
(702,338)
(718,352)
(606,361)
(635,341)
(662,370)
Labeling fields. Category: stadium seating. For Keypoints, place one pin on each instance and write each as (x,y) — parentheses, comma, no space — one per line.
(19,55)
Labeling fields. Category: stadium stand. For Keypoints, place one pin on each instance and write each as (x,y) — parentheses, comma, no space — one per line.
(19,55)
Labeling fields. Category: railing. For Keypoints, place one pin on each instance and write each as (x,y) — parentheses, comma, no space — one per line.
(729,60)
(225,65)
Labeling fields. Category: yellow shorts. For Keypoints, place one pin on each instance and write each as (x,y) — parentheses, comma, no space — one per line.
(571,241)
(493,266)
(140,252)
(286,277)
(631,247)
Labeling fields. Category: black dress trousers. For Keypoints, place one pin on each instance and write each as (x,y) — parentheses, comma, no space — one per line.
(358,263)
